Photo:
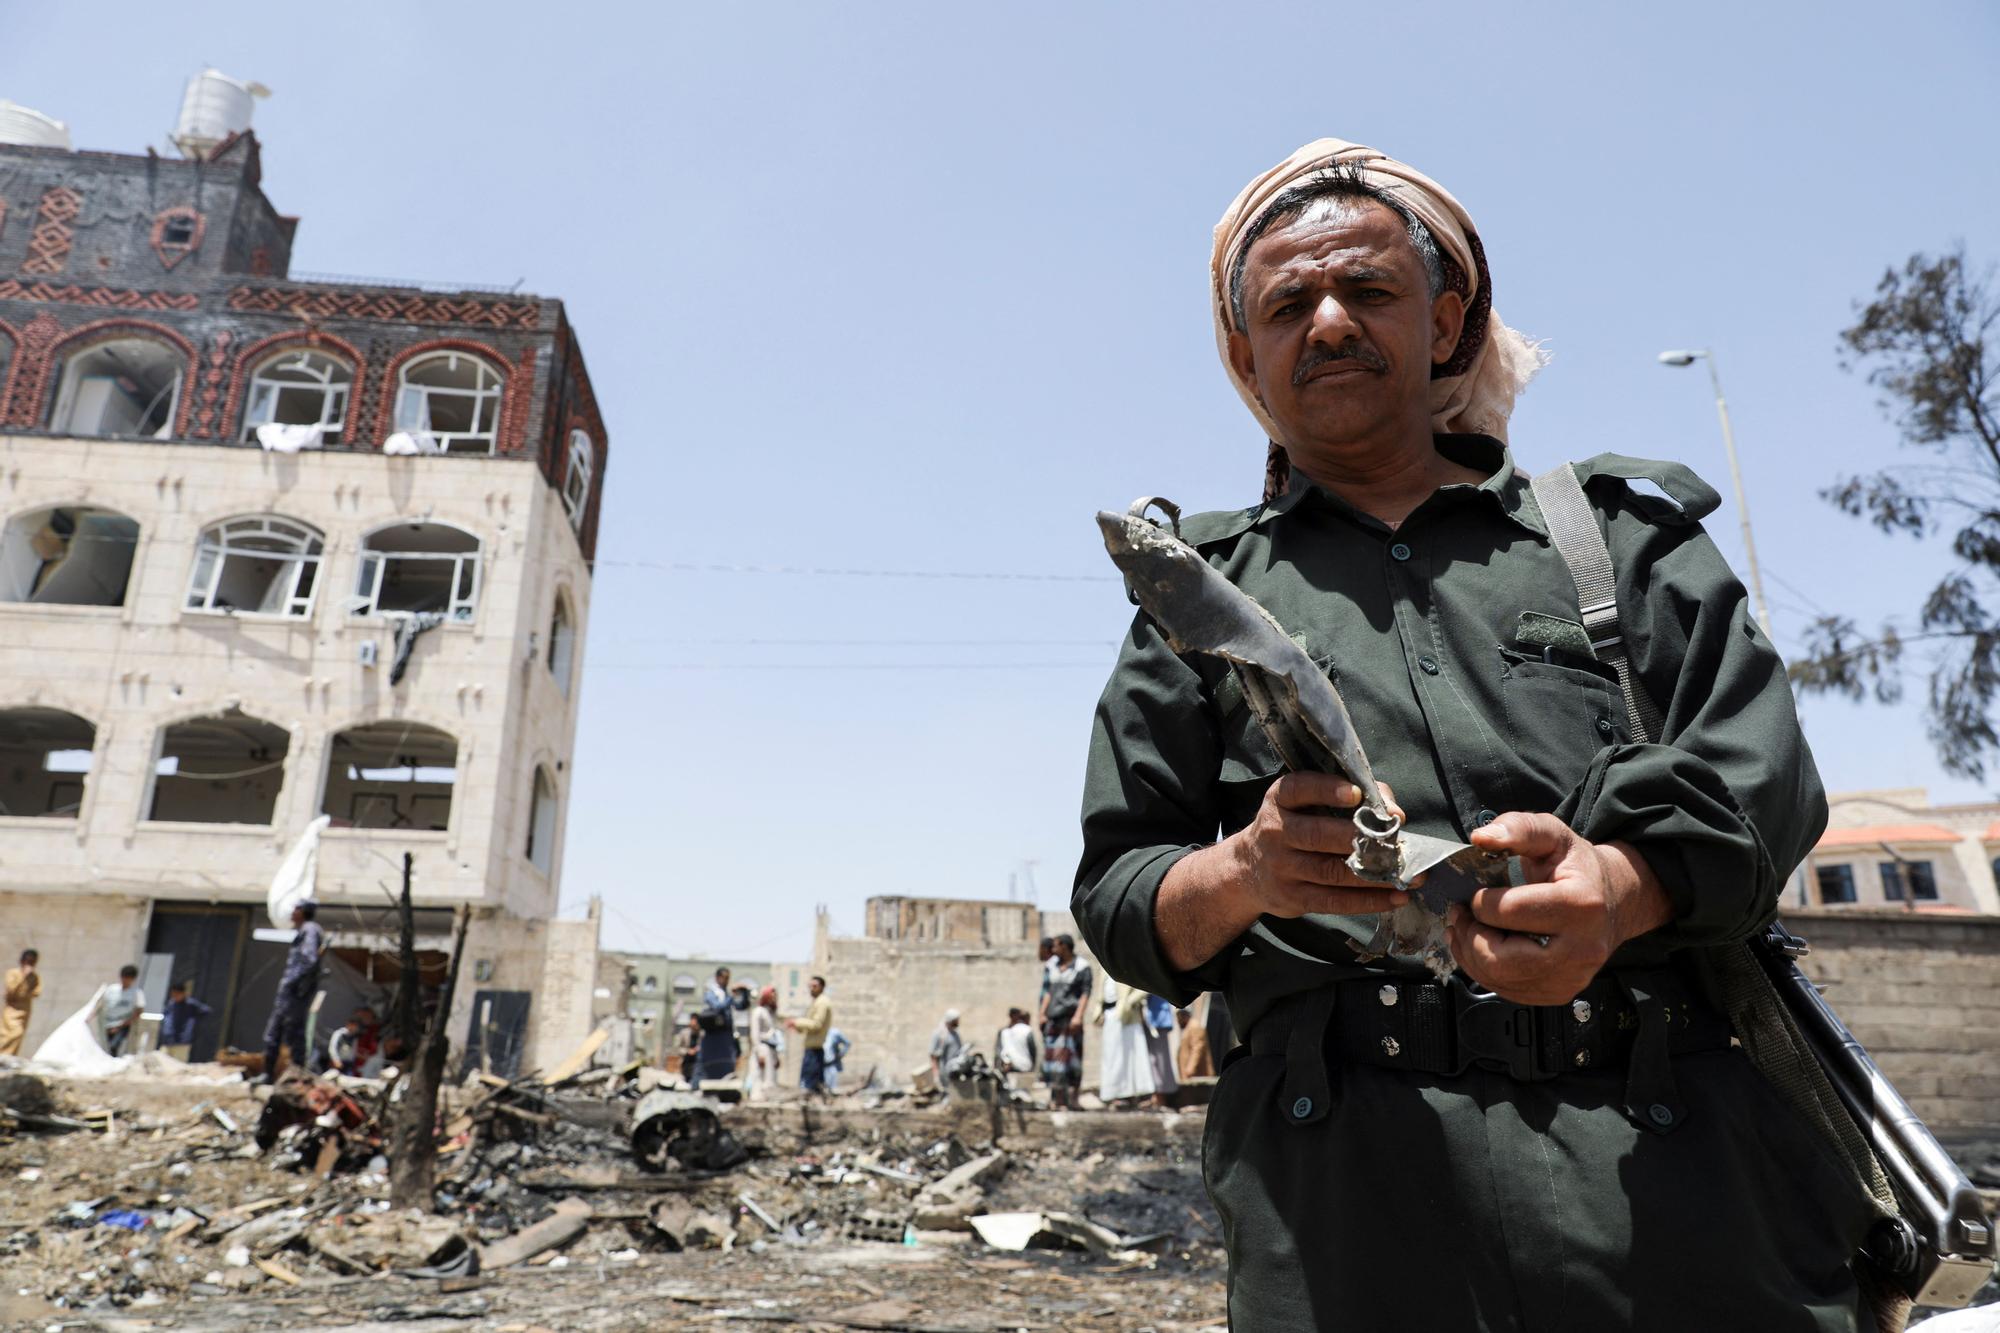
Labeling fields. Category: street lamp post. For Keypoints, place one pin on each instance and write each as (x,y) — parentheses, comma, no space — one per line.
(1688,357)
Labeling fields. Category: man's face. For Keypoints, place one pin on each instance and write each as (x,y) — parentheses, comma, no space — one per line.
(722,978)
(298,917)
(1341,332)
(815,986)
(1064,953)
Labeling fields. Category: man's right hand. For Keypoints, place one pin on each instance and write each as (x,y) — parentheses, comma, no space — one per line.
(1292,857)
(1289,861)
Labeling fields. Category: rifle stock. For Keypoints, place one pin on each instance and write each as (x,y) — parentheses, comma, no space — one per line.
(1940,1250)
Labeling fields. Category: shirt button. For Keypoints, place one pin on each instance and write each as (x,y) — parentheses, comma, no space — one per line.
(1399,552)
(1428,664)
(1484,817)
(1302,1108)
(1604,727)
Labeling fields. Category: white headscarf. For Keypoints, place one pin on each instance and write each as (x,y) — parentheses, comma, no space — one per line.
(1472,391)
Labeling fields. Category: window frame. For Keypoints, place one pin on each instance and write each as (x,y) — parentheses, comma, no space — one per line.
(331,432)
(577,477)
(1842,873)
(488,395)
(466,570)
(212,551)
(67,383)
(542,801)
(561,656)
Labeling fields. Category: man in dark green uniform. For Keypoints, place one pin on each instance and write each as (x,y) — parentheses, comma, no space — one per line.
(1561,1136)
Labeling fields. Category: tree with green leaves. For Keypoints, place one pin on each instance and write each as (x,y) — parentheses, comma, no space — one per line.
(1925,341)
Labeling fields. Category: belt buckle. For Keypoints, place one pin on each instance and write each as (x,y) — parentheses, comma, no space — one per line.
(1500,1035)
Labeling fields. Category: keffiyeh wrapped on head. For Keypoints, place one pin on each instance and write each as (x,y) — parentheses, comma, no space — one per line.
(1473,390)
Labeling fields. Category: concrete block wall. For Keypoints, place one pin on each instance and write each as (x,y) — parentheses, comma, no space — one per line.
(83,943)
(1922,993)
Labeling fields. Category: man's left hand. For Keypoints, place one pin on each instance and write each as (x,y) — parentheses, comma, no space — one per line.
(1584,898)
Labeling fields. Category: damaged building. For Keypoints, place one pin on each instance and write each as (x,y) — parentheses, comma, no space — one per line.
(273,548)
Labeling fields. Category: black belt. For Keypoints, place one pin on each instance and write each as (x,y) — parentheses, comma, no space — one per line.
(1432,1027)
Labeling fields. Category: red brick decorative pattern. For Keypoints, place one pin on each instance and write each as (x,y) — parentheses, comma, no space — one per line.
(110,298)
(49,243)
(399,307)
(514,405)
(212,376)
(31,360)
(263,349)
(513,397)
(173,252)
(10,362)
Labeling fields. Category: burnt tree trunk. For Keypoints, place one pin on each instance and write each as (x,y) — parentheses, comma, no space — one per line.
(405,1008)
(413,1121)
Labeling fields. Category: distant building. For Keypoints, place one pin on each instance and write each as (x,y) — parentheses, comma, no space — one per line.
(1893,848)
(921,956)
(273,547)
(663,993)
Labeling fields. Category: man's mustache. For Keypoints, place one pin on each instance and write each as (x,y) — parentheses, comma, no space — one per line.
(1348,351)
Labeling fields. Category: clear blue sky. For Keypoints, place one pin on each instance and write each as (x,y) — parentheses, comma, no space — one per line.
(920,287)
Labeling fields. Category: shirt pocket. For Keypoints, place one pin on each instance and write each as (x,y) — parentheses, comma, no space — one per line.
(1558,717)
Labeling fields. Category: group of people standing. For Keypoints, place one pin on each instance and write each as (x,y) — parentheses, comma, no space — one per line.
(1138,1062)
(114,1013)
(730,1035)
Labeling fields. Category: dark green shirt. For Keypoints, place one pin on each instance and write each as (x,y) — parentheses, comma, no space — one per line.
(1418,629)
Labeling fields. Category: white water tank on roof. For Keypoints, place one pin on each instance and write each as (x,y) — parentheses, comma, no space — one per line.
(24,125)
(214,107)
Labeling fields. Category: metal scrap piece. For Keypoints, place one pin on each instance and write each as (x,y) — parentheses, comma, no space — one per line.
(1305,718)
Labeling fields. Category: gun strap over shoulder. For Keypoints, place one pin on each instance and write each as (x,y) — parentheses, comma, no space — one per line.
(1573,529)
(1765,1027)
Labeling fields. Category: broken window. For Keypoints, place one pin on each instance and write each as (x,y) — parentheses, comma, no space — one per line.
(415,567)
(263,565)
(300,388)
(73,555)
(44,759)
(224,769)
(127,386)
(542,821)
(391,775)
(562,646)
(576,479)
(454,398)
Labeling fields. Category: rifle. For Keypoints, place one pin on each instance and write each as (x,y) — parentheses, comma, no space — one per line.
(1939,1248)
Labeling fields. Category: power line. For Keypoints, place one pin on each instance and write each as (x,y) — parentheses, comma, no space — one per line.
(823,571)
(1101,665)
(873,643)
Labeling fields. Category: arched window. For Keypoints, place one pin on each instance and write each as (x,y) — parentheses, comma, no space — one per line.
(264,565)
(391,775)
(562,646)
(71,555)
(576,479)
(453,397)
(224,769)
(45,756)
(411,568)
(299,388)
(542,821)
(124,386)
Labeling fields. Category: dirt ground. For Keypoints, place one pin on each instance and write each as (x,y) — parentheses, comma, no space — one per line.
(165,1214)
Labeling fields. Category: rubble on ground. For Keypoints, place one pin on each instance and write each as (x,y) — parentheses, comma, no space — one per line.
(207,1203)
